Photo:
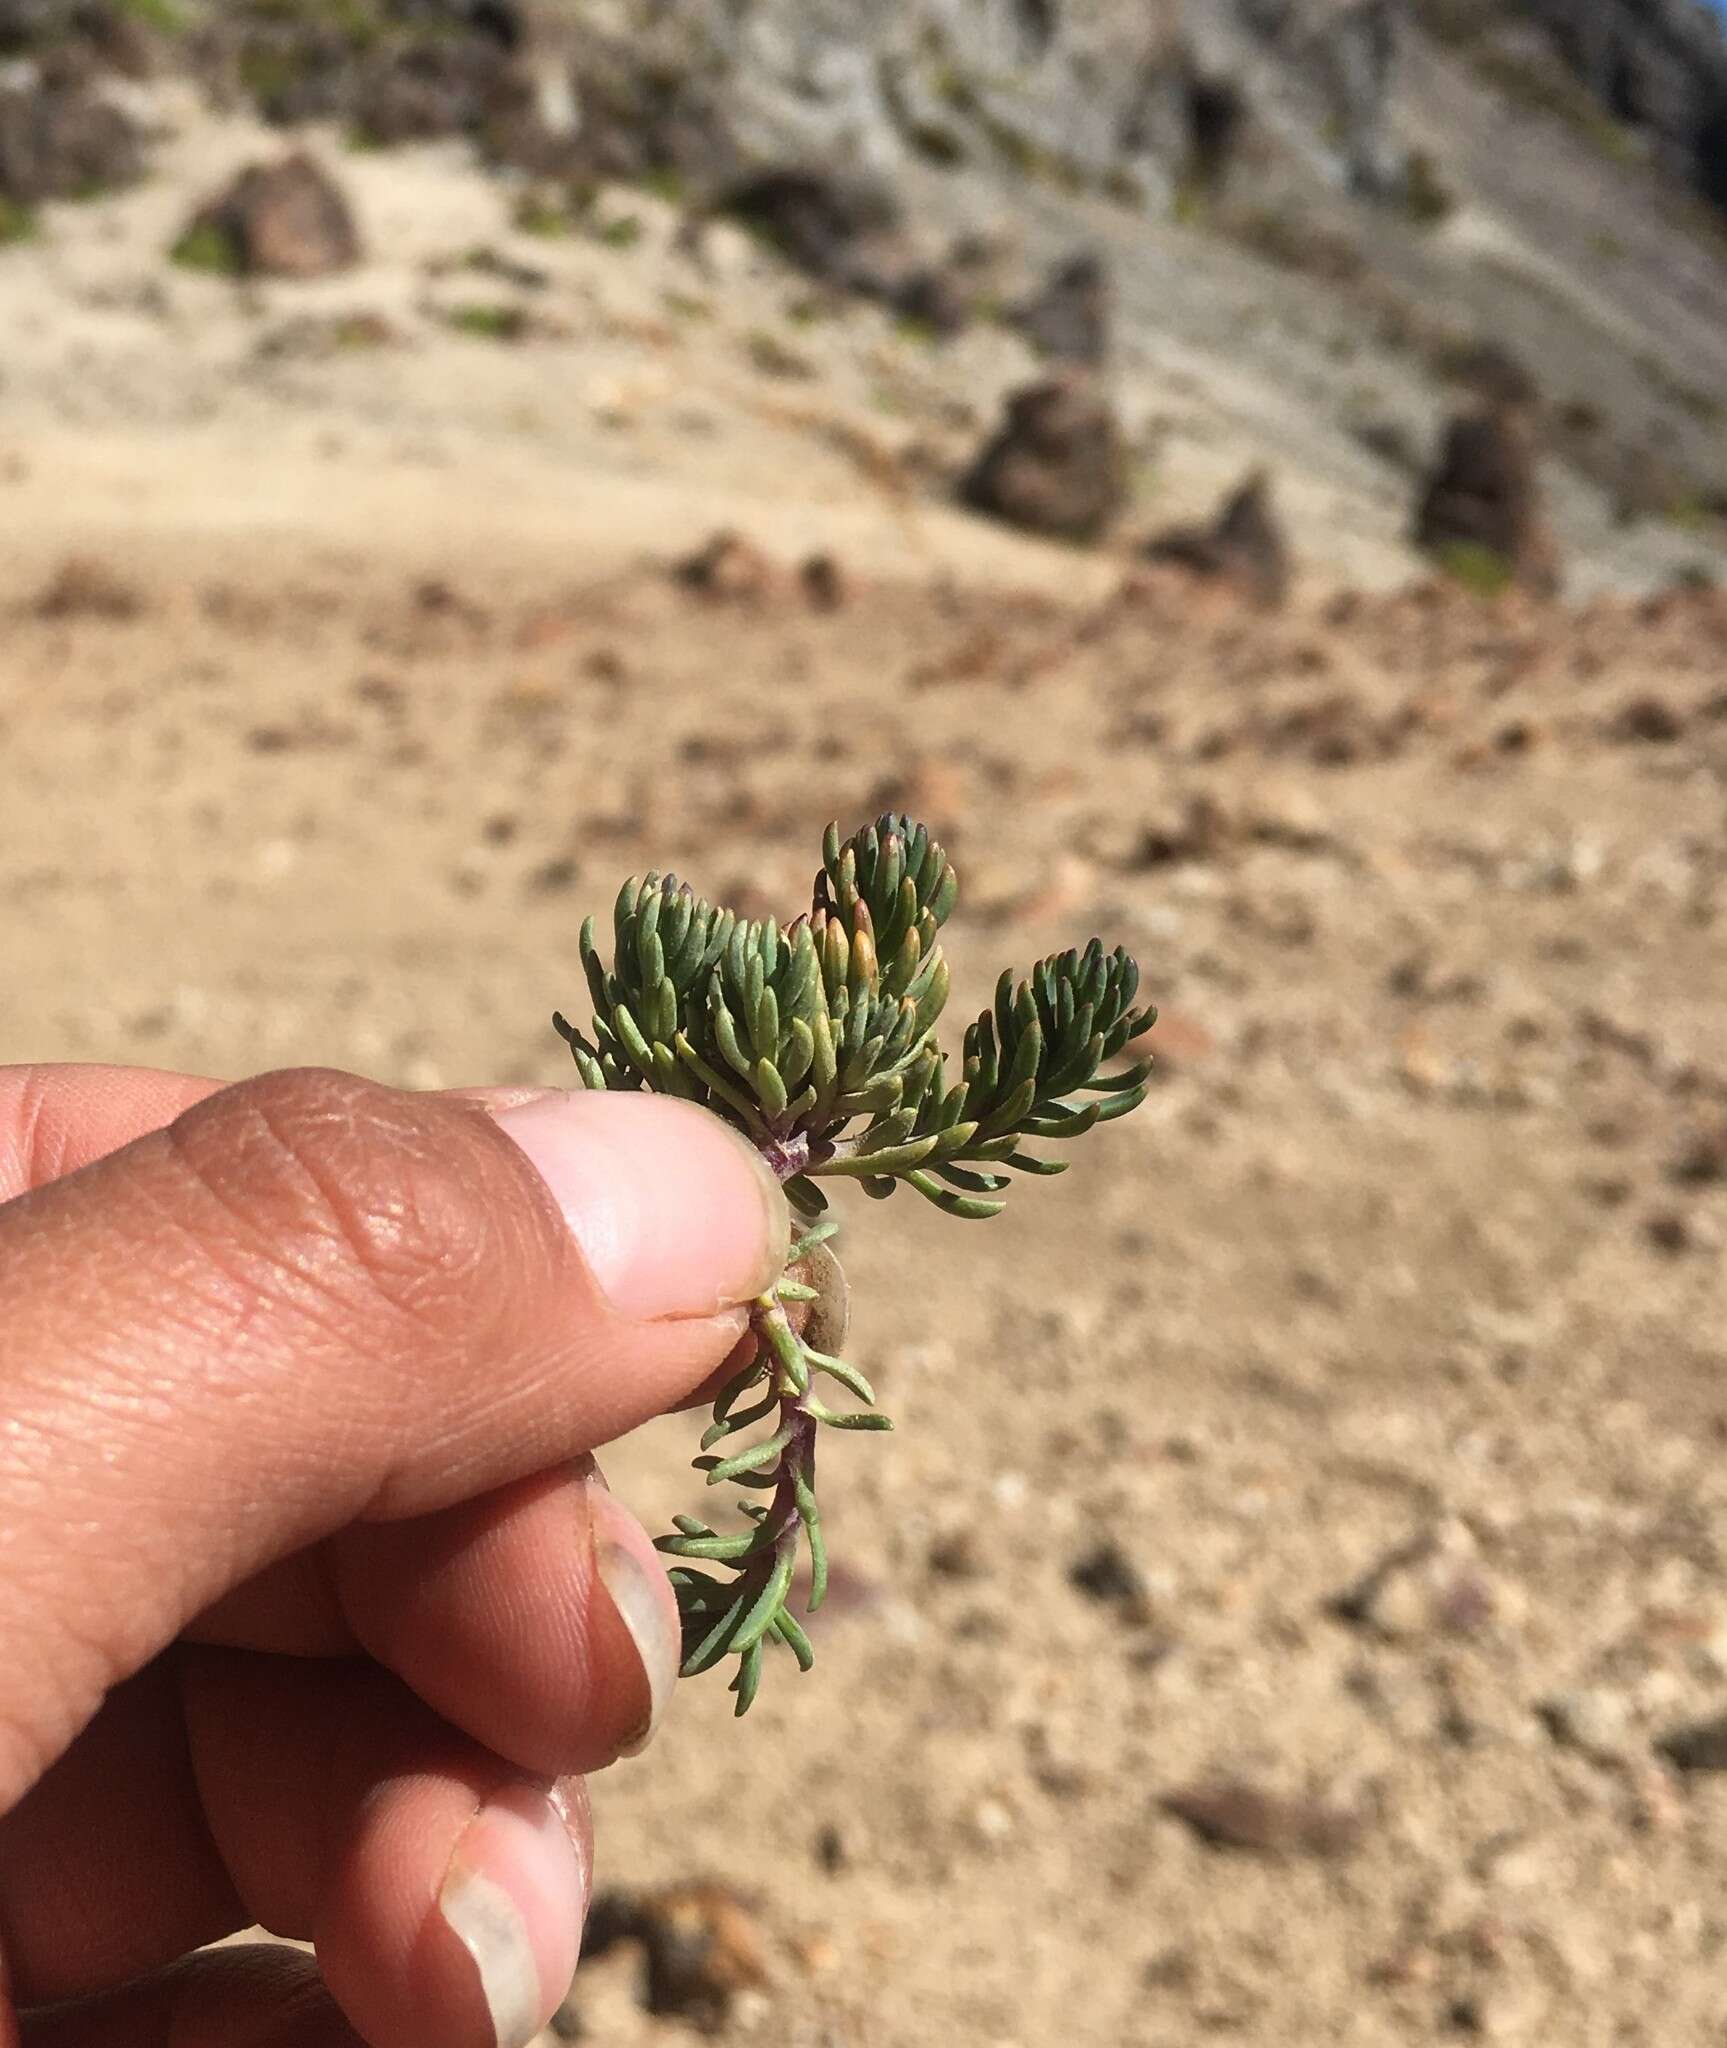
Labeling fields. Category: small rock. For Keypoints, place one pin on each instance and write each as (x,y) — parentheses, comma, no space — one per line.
(1697,1746)
(726,569)
(84,588)
(1591,1720)
(955,1556)
(118,39)
(287,219)
(1108,1575)
(830,1847)
(1434,1584)
(1068,320)
(1649,719)
(702,1946)
(60,141)
(1171,1969)
(932,299)
(1480,509)
(1292,817)
(1668,1231)
(1202,833)
(1336,730)
(1056,465)
(1243,546)
(1229,1813)
(1702,1159)
(555,877)
(1496,376)
(824,583)
(435,597)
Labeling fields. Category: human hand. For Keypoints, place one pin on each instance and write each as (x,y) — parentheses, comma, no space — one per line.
(313,1608)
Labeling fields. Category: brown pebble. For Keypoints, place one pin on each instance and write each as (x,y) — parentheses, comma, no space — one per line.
(1229,1813)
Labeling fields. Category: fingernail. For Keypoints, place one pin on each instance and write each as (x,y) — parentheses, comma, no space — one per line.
(675,1212)
(515,1869)
(647,1614)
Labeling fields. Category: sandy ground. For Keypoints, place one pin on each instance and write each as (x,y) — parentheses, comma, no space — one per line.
(1414,1260)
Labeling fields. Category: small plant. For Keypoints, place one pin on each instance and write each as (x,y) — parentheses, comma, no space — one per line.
(167,17)
(553,211)
(210,246)
(481,322)
(770,355)
(18,223)
(621,231)
(817,1040)
(1427,199)
(1481,570)
(916,331)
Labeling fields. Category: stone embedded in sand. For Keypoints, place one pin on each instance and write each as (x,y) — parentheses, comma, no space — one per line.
(823,581)
(1243,546)
(286,219)
(1483,499)
(1698,1745)
(1108,1575)
(85,588)
(702,1945)
(1199,830)
(1650,719)
(60,141)
(1230,1813)
(1068,320)
(1056,465)
(1434,1585)
(726,569)
(1702,1157)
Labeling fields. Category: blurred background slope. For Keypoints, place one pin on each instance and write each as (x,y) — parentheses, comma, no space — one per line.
(1251,476)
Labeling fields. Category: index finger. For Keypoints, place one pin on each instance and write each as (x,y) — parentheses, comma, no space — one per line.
(57,1118)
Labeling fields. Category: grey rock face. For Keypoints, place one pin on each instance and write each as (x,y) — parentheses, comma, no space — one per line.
(62,142)
(1659,64)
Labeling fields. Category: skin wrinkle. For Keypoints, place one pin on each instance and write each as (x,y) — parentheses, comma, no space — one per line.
(141,1416)
(424,1302)
(33,1158)
(95,1651)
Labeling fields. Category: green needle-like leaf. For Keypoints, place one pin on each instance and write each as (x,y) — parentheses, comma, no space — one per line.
(817,1040)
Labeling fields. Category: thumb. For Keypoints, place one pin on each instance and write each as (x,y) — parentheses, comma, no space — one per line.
(313,1300)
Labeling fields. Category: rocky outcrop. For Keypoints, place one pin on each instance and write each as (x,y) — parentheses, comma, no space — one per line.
(60,141)
(1068,318)
(1242,546)
(1660,65)
(1138,97)
(1056,465)
(1480,510)
(287,219)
